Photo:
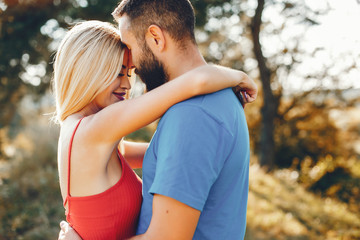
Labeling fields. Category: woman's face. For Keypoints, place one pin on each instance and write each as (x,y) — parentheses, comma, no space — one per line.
(118,89)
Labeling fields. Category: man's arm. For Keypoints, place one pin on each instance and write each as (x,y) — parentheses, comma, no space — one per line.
(133,152)
(187,165)
(171,220)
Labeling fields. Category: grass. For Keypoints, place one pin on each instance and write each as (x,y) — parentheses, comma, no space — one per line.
(280,208)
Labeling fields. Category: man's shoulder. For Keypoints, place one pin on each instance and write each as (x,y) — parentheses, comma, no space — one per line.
(206,101)
(221,107)
(223,102)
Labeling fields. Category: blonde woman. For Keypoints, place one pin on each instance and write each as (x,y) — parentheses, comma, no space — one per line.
(101,193)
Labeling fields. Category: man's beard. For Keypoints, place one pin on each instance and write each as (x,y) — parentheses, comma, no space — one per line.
(150,70)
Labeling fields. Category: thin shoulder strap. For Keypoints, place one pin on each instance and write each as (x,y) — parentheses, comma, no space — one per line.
(69,162)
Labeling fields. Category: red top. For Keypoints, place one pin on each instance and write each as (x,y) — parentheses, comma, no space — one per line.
(112,214)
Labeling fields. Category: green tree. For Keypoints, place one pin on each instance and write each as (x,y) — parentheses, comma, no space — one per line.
(29,34)
(236,33)
(30,201)
(293,129)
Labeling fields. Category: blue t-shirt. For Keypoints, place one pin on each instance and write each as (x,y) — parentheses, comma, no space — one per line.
(199,155)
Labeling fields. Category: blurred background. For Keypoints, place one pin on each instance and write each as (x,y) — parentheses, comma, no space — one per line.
(304,127)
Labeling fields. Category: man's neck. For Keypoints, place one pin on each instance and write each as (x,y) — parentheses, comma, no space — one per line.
(184,61)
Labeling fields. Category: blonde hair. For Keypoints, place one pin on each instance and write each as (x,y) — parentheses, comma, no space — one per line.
(88,60)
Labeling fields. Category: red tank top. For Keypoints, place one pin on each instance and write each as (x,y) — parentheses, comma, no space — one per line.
(112,214)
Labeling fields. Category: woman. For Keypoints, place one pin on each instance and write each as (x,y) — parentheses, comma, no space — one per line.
(102,195)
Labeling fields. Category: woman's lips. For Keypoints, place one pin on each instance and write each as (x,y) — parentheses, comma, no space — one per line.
(120,95)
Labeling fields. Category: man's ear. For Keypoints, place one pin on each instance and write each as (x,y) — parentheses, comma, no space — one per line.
(155,38)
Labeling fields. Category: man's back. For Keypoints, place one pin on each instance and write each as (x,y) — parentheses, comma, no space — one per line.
(199,155)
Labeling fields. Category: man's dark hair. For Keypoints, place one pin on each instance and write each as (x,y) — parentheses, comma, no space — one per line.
(176,17)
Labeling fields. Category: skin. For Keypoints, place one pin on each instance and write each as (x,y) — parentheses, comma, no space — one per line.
(171,219)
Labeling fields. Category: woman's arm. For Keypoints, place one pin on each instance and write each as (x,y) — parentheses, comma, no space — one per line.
(119,119)
(133,152)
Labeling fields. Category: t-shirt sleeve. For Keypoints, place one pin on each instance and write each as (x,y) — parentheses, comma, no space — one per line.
(191,151)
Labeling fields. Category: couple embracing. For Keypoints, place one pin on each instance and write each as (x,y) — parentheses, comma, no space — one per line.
(196,167)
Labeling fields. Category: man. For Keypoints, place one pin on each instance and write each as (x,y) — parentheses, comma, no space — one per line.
(196,169)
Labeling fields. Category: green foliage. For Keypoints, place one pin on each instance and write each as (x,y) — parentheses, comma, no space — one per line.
(25,44)
(280,208)
(142,135)
(22,45)
(30,200)
(201,8)
(310,141)
(339,183)
(306,131)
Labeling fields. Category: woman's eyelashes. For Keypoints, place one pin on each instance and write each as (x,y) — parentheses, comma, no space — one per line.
(122,74)
(130,70)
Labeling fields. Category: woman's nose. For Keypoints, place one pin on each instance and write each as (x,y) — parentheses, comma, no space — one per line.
(125,83)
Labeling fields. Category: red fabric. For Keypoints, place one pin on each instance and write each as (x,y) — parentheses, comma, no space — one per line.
(112,214)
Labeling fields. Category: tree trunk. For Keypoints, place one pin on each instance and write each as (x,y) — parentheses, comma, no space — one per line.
(269,108)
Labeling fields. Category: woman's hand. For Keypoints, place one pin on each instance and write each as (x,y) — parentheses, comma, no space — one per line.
(216,77)
(246,91)
(67,232)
